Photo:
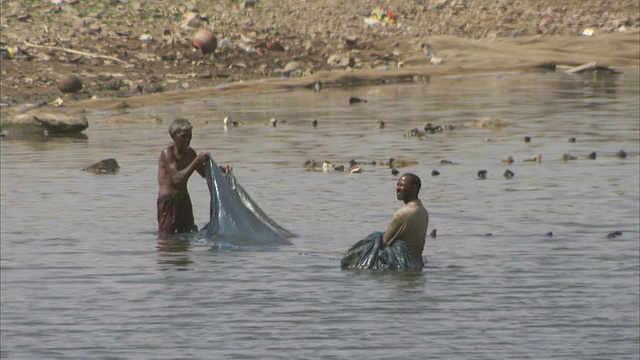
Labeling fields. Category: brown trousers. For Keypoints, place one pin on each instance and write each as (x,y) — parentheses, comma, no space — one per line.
(175,214)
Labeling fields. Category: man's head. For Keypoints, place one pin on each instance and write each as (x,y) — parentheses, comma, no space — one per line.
(408,187)
(180,131)
(179,125)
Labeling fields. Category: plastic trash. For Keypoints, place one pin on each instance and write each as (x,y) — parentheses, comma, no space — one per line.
(589,32)
(224,43)
(380,15)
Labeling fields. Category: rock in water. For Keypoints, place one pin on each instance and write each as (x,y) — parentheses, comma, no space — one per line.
(106,166)
(355,100)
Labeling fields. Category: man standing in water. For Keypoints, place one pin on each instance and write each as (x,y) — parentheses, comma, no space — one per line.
(409,223)
(177,162)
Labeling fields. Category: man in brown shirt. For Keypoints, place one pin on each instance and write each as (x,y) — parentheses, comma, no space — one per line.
(409,223)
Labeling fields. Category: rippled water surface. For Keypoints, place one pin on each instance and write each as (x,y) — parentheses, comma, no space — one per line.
(84,275)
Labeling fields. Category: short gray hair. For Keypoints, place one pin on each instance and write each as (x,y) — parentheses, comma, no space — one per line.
(178,125)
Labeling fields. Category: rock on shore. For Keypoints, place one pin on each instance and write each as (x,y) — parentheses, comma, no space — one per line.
(43,122)
(124,48)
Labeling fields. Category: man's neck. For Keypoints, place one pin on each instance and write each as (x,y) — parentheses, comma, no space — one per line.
(178,150)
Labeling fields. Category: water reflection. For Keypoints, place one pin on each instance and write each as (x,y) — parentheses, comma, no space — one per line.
(41,137)
(592,85)
(45,142)
(409,281)
(174,251)
(603,84)
(401,281)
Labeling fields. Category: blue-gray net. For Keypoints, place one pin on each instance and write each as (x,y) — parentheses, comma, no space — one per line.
(368,254)
(235,217)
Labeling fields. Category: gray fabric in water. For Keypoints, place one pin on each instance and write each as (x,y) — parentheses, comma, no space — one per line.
(367,254)
(235,217)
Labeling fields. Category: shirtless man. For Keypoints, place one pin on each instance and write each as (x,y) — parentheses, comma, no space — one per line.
(409,223)
(177,162)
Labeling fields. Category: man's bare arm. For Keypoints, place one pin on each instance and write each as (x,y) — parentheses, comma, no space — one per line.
(395,227)
(201,167)
(181,176)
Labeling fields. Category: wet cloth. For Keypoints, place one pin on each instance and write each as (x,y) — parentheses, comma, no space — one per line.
(175,214)
(235,217)
(368,254)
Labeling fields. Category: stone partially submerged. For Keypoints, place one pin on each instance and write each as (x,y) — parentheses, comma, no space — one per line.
(43,122)
(488,122)
(591,68)
(106,166)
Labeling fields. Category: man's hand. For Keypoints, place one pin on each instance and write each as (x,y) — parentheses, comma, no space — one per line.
(225,169)
(203,156)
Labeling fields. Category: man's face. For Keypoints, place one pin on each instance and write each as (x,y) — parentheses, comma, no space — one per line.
(182,139)
(404,188)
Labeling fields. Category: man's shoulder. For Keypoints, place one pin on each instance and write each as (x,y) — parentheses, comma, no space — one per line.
(168,148)
(416,205)
(167,152)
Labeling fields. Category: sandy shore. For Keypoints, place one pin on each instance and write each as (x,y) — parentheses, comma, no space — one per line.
(142,53)
(460,57)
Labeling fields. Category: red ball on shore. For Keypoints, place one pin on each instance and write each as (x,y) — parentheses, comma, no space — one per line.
(206,41)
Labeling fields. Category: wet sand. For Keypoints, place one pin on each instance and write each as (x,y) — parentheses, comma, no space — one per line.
(459,57)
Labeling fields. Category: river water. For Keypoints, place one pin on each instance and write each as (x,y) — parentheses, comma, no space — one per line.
(84,275)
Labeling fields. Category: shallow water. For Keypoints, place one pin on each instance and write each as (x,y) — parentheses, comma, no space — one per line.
(85,276)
